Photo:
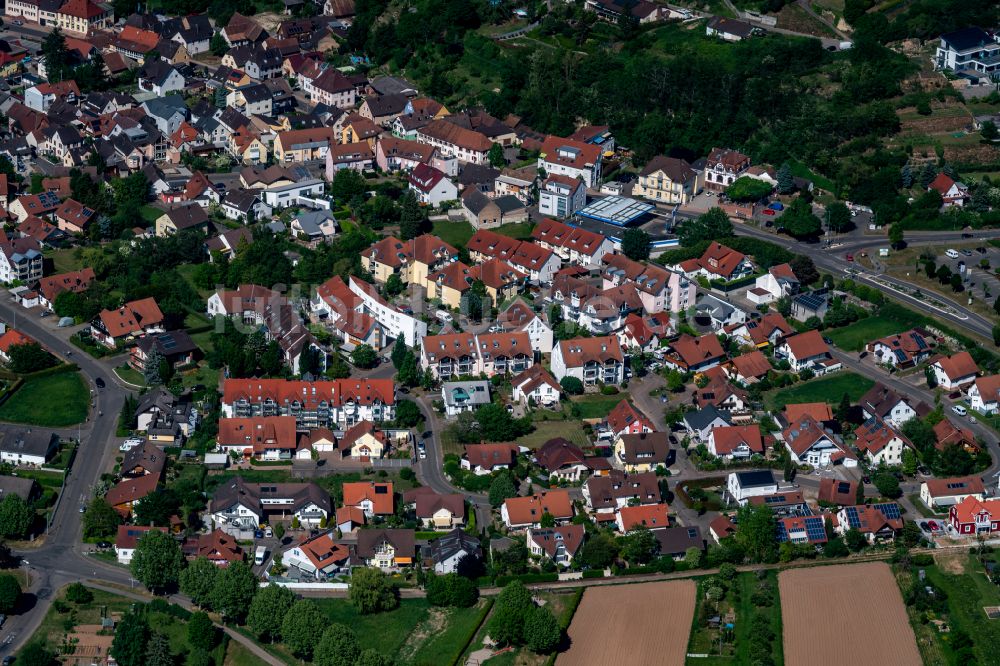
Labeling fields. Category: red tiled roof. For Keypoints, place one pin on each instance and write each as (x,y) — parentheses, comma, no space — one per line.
(337,392)
(261,433)
(959,485)
(578,351)
(380,495)
(967,510)
(578,156)
(650,516)
(489,456)
(958,365)
(129,491)
(819,411)
(695,351)
(13,338)
(624,415)
(728,438)
(527,510)
(806,345)
(754,364)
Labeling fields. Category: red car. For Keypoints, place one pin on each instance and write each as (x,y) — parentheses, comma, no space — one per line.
(769,211)
(850,257)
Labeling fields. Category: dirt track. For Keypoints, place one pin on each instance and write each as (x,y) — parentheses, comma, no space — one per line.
(848,614)
(647,623)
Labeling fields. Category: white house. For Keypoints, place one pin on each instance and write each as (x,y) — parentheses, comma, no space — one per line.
(807,351)
(968,49)
(431,186)
(559,544)
(779,281)
(741,486)
(942,493)
(127,540)
(461,397)
(449,550)
(591,360)
(984,394)
(536,384)
(701,423)
(879,443)
(568,157)
(955,371)
(283,196)
(519,317)
(318,556)
(561,196)
(810,444)
(395,322)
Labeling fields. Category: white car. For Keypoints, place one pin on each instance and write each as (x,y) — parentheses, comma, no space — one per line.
(960,410)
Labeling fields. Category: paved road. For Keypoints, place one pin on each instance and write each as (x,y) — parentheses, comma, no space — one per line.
(833,260)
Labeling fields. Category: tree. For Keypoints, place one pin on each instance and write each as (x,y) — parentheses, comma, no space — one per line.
(988,130)
(131,636)
(501,488)
(451,590)
(157,561)
(372,657)
(598,551)
(56,56)
(151,371)
(804,269)
(399,352)
(510,611)
(838,217)
(78,593)
(835,547)
(201,632)
(799,221)
(906,176)
(887,484)
(909,462)
(541,630)
(158,651)
(337,647)
(712,225)
(303,627)
(267,609)
(956,282)
(412,219)
(408,414)
(635,244)
(372,591)
(29,357)
(234,591)
(497,425)
(571,385)
(364,356)
(943,274)
(36,654)
(755,532)
(927,174)
(16,517)
(198,581)
(10,592)
(394,286)
(157,508)
(347,184)
(640,546)
(495,156)
(996,335)
(855,540)
(930,269)
(896,235)
(100,520)
(746,189)
(786,181)
(859,494)
(218,45)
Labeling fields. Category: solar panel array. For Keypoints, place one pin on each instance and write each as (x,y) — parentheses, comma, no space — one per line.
(815,529)
(852,517)
(890,511)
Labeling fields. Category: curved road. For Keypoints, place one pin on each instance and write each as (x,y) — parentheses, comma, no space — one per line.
(59,559)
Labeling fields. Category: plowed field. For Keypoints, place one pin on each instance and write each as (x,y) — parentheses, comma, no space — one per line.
(847,614)
(647,623)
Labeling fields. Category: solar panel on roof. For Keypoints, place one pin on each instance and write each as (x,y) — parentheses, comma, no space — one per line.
(782,532)
(890,511)
(919,340)
(852,517)
(900,354)
(815,530)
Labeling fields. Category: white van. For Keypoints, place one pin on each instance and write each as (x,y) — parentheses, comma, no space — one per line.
(444,317)
(958,409)
(952,253)
(259,556)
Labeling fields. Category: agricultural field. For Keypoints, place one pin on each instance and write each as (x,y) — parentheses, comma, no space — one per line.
(646,623)
(846,614)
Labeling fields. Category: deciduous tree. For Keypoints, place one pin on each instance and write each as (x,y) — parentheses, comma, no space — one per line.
(302,628)
(372,591)
(337,647)
(635,244)
(267,609)
(100,520)
(10,591)
(131,637)
(157,561)
(198,581)
(16,517)
(234,591)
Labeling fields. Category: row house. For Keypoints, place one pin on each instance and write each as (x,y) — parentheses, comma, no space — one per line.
(660,289)
(340,403)
(238,505)
(20,260)
(537,262)
(394,154)
(591,360)
(598,311)
(84,16)
(261,437)
(575,246)
(461,354)
(518,316)
(456,141)
(355,156)
(413,261)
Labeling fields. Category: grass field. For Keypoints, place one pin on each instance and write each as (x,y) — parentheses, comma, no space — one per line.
(546,430)
(445,645)
(150,213)
(53,401)
(822,389)
(596,405)
(858,334)
(521,230)
(386,632)
(453,233)
(237,655)
(962,579)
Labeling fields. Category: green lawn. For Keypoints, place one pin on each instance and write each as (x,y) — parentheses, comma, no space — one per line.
(827,389)
(453,233)
(130,375)
(65,261)
(922,508)
(150,213)
(520,231)
(858,334)
(967,594)
(546,430)
(237,655)
(596,405)
(445,646)
(53,401)
(386,632)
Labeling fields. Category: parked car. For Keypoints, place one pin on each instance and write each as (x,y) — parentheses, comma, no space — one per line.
(960,410)
(933,525)
(966,235)
(967,252)
(258,534)
(99,382)
(768,211)
(862,355)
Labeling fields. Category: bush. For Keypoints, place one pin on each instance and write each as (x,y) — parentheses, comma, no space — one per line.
(571,385)
(608,389)
(79,594)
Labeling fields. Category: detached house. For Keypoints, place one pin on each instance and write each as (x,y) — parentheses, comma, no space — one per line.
(561,459)
(535,385)
(431,187)
(889,406)
(879,443)
(877,522)
(807,351)
(319,556)
(939,494)
(643,452)
(388,550)
(559,544)
(568,157)
(524,512)
(953,193)
(810,444)
(718,263)
(984,394)
(134,319)
(434,511)
(561,196)
(777,282)
(690,354)
(591,360)
(373,498)
(625,419)
(973,516)
(903,350)
(484,459)
(608,493)
(668,180)
(262,437)
(722,167)
(955,371)
(736,442)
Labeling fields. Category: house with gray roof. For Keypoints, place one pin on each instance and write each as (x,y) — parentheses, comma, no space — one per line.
(699,424)
(455,551)
(461,397)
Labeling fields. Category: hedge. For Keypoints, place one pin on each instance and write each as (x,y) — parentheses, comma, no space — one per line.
(730,285)
(593,573)
(528,578)
(472,633)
